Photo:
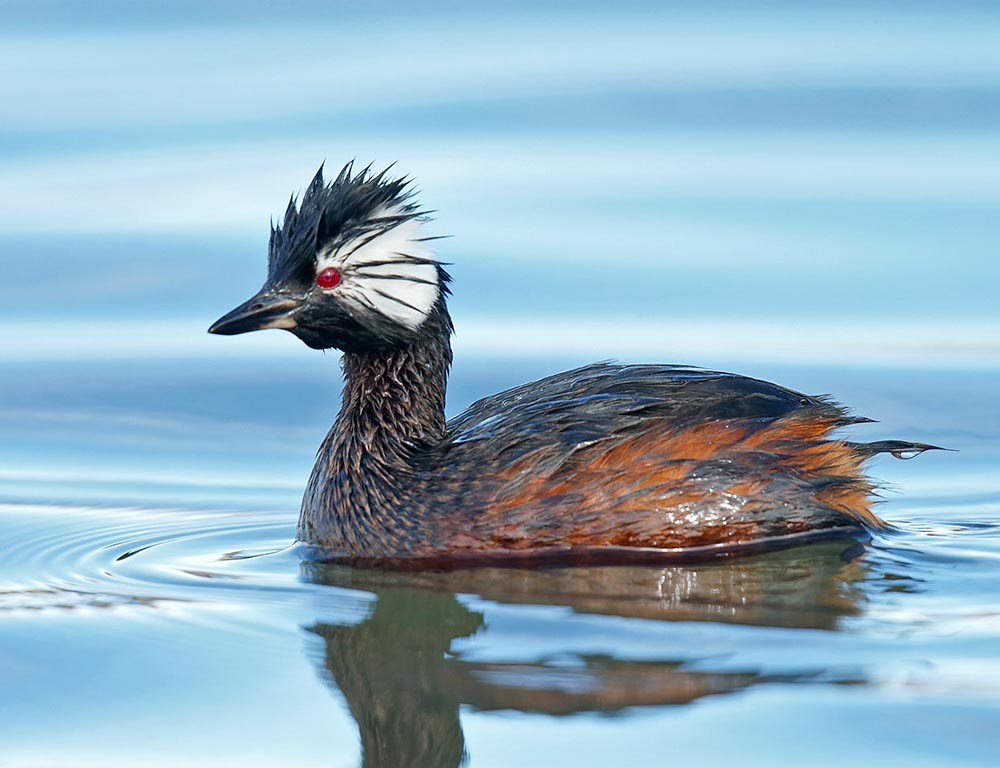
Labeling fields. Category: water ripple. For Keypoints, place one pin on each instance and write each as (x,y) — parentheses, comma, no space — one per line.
(59,557)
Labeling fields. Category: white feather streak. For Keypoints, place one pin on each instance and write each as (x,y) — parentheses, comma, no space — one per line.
(386,274)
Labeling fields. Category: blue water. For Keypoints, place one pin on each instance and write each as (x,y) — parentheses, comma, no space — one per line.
(801,194)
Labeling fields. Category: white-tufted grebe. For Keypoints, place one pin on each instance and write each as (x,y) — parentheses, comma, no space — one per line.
(603,463)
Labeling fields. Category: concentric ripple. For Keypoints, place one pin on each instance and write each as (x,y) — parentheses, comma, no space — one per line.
(59,557)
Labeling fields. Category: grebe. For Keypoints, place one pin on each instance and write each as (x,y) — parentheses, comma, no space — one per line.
(603,463)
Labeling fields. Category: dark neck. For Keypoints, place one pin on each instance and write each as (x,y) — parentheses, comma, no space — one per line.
(393,406)
(393,400)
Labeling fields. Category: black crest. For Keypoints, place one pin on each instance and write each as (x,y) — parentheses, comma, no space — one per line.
(336,212)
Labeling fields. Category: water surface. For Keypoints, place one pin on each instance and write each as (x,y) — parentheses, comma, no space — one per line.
(153,603)
(803,194)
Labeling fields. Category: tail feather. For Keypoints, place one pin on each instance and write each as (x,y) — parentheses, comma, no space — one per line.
(900,449)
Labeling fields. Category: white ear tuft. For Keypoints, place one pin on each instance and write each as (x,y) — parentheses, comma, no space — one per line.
(393,273)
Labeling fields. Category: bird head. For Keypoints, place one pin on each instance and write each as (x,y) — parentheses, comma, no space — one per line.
(350,267)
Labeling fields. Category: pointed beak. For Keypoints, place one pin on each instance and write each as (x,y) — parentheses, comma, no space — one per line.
(265,310)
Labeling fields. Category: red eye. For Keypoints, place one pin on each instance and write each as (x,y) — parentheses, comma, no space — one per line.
(328,278)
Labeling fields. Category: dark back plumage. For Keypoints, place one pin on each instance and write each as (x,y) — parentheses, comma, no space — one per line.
(608,463)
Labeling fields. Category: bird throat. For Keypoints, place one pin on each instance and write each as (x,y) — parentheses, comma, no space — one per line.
(393,399)
(392,409)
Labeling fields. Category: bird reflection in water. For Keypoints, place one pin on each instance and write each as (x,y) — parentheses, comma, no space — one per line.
(404,684)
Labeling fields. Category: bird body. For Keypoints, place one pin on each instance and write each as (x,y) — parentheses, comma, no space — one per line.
(603,463)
